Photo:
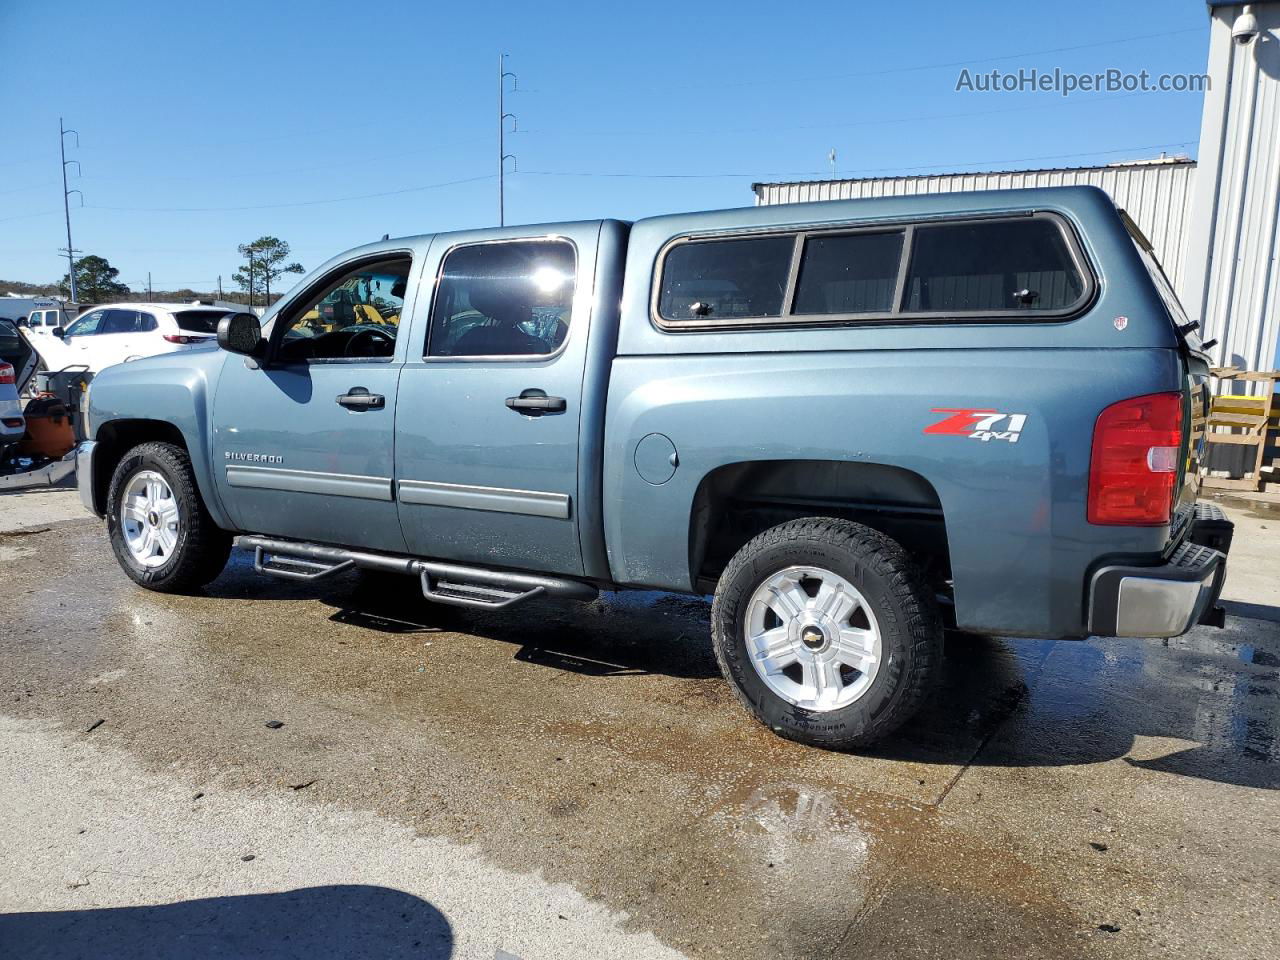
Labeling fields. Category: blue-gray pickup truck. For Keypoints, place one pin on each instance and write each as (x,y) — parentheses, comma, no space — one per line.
(856,423)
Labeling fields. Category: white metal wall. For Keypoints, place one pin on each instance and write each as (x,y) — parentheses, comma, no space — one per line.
(1157,195)
(1233,278)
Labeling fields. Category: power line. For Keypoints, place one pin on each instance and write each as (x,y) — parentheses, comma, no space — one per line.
(29,216)
(299,203)
(820,173)
(881,121)
(916,68)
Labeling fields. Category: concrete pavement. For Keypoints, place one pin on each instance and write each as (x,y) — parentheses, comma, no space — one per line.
(479,776)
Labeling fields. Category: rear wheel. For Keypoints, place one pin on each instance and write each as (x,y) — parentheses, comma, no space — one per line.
(161,533)
(827,632)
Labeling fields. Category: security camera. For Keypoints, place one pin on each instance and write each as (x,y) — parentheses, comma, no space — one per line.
(1245,29)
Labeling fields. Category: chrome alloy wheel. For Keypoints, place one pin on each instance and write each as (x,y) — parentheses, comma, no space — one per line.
(149,518)
(813,638)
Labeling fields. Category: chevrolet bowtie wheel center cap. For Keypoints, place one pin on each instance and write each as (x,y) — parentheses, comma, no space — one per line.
(813,637)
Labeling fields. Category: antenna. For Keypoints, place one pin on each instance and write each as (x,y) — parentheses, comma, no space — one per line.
(66,204)
(503,117)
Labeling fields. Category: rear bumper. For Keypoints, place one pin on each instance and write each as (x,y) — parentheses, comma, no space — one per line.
(1169,599)
(84,475)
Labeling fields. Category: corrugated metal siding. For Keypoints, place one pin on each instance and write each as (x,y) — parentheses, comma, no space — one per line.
(1157,195)
(1234,241)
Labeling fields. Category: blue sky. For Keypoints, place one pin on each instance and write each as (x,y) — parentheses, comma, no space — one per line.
(206,125)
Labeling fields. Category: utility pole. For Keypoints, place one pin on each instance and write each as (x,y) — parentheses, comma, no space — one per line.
(503,117)
(219,286)
(250,281)
(66,203)
(148,286)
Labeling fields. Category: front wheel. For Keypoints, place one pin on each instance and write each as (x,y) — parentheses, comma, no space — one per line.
(161,533)
(827,632)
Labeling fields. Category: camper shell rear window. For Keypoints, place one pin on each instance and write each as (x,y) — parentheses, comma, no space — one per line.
(1026,266)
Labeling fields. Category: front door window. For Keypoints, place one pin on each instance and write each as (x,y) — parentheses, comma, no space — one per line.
(355,316)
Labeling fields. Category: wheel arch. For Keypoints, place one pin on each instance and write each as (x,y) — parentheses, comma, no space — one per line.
(115,438)
(736,501)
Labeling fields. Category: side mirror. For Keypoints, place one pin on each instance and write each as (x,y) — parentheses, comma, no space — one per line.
(240,333)
(58,332)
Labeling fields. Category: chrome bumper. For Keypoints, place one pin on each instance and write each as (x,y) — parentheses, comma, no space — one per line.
(1169,599)
(84,475)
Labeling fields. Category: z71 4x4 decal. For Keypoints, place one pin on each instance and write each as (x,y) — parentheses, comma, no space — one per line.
(984,425)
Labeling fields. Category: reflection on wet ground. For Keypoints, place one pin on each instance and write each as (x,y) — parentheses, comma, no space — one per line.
(598,745)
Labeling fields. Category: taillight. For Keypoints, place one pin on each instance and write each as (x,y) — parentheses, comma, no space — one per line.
(177,338)
(1134,467)
(6,374)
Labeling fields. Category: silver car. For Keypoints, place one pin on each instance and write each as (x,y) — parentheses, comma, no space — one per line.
(17,363)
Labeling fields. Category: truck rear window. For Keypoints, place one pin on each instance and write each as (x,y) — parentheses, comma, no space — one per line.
(1015,267)
(199,321)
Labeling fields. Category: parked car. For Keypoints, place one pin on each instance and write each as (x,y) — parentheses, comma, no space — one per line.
(853,421)
(120,332)
(17,363)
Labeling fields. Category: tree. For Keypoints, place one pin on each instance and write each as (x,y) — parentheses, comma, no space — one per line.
(266,263)
(95,281)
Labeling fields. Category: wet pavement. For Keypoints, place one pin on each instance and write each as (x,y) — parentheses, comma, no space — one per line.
(1103,798)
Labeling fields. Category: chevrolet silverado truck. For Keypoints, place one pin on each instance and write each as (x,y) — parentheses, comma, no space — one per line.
(855,422)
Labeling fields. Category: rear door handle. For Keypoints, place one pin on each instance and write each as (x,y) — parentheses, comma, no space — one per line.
(535,401)
(359,398)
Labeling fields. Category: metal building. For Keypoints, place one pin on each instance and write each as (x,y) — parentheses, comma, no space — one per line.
(1232,277)
(1214,224)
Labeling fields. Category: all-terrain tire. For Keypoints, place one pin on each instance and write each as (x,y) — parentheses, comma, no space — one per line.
(201,549)
(894,591)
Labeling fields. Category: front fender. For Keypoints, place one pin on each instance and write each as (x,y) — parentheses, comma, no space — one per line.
(174,389)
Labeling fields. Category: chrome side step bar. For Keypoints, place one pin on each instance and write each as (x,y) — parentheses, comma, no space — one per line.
(451,583)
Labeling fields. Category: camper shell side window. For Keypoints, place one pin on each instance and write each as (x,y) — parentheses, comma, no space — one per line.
(1021,266)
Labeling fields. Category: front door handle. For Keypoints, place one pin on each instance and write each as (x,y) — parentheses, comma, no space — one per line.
(535,401)
(359,398)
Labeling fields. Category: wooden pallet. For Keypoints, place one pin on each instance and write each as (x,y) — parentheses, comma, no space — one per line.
(1241,420)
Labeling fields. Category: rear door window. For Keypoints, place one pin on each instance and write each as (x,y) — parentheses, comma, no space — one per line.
(734,279)
(992,266)
(507,299)
(120,321)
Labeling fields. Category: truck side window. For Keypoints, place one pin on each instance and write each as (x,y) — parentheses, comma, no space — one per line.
(353,316)
(726,279)
(510,298)
(1022,264)
(849,273)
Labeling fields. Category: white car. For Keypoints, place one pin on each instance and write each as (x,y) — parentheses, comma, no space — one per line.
(119,332)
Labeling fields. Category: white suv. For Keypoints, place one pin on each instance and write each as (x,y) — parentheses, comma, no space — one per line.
(127,331)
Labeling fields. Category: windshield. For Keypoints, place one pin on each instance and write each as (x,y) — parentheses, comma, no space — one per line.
(1189,331)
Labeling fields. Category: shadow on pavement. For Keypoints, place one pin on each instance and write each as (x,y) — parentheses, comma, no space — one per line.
(1000,702)
(1254,611)
(324,923)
